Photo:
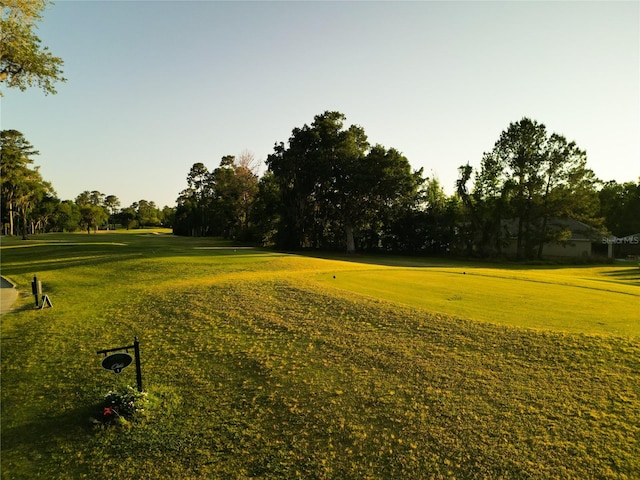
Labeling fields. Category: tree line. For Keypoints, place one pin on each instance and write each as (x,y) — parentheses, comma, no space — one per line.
(329,188)
(29,203)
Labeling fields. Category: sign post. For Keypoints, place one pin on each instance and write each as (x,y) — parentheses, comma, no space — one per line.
(136,351)
(116,362)
(36,289)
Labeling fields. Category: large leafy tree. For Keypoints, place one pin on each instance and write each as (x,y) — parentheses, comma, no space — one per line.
(510,176)
(528,177)
(92,216)
(316,181)
(298,172)
(24,62)
(21,185)
(15,160)
(568,190)
(387,190)
(334,189)
(31,190)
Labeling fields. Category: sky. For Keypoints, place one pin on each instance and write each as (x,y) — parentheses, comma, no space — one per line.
(156,86)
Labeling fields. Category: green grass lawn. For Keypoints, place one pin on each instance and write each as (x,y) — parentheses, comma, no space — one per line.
(585,300)
(263,365)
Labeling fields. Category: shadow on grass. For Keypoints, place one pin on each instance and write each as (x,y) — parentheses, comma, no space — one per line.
(59,264)
(625,275)
(389,260)
(23,308)
(46,432)
(398,260)
(54,255)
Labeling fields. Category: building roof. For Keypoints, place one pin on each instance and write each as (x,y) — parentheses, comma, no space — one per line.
(579,231)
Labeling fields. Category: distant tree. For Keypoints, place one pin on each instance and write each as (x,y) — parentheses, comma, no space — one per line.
(620,207)
(247,174)
(23,60)
(44,213)
(127,217)
(234,191)
(223,202)
(471,222)
(92,216)
(97,198)
(218,202)
(287,169)
(427,225)
(112,204)
(265,211)
(31,190)
(148,215)
(569,190)
(94,197)
(193,210)
(67,217)
(93,212)
(440,213)
(168,216)
(248,161)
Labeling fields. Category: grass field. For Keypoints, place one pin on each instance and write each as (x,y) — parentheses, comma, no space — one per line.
(260,364)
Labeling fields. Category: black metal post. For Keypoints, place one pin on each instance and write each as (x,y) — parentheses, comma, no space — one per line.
(136,349)
(36,289)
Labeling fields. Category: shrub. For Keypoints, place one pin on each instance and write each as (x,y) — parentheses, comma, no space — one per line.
(125,404)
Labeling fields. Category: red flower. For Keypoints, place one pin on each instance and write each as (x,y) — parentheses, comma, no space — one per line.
(107,411)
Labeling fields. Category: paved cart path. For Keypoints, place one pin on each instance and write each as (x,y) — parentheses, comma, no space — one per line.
(8,295)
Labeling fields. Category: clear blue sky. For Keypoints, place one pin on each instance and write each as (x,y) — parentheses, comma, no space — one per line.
(156,86)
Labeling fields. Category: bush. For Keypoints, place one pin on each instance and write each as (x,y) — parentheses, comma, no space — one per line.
(123,405)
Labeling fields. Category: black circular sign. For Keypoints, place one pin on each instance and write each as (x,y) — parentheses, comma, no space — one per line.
(116,362)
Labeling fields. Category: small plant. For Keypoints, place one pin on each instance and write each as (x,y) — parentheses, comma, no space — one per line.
(123,405)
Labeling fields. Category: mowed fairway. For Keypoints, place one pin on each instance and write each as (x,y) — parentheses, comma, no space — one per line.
(603,300)
(263,365)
